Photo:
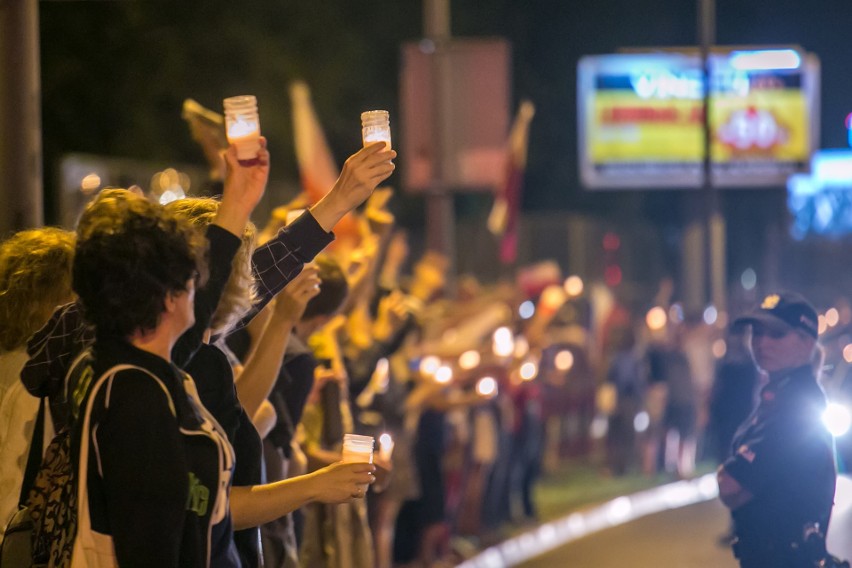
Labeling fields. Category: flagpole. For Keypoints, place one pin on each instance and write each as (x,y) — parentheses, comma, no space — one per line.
(440,208)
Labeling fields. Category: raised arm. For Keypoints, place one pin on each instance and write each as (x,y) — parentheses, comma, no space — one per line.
(244,187)
(278,261)
(261,369)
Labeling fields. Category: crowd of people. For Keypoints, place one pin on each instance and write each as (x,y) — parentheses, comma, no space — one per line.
(203,375)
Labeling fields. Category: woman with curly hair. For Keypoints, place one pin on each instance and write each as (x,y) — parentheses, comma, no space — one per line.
(233,402)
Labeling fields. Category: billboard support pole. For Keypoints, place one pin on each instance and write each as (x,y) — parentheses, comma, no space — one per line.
(440,210)
(715,220)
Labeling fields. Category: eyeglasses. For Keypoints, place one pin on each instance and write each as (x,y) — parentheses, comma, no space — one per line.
(761,331)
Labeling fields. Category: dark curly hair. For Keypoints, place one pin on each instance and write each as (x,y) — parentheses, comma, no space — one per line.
(124,269)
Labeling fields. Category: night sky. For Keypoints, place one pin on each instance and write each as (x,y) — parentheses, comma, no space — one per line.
(115,73)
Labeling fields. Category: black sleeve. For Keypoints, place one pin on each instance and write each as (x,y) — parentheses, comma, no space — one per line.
(214,380)
(145,482)
(782,449)
(300,380)
(222,247)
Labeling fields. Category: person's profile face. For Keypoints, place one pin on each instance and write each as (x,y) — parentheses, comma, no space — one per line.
(185,306)
(778,347)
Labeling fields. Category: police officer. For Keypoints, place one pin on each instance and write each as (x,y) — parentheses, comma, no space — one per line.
(779,482)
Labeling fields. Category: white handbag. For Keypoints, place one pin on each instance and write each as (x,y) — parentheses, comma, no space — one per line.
(92,549)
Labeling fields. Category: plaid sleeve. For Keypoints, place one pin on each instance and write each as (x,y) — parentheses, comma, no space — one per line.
(281,259)
(52,350)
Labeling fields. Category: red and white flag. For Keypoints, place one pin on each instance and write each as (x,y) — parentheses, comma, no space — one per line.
(503,219)
(318,171)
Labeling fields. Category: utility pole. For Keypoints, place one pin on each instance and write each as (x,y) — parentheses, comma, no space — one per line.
(715,221)
(20,117)
(440,210)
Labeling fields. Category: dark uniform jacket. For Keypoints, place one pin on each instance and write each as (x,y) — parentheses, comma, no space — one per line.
(784,456)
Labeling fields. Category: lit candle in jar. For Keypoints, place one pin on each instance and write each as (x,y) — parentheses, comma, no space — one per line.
(375,127)
(245,135)
(357,449)
(242,125)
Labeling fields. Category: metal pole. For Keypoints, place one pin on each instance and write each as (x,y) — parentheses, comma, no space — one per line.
(440,210)
(715,220)
(20,117)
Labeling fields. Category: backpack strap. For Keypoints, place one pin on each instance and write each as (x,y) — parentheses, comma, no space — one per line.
(37,443)
(34,457)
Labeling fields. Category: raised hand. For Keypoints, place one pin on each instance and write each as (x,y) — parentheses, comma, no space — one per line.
(247,179)
(291,302)
(244,187)
(361,174)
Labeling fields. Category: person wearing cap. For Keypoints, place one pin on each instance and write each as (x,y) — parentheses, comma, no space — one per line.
(779,482)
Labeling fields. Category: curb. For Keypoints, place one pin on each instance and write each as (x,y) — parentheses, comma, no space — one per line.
(577,525)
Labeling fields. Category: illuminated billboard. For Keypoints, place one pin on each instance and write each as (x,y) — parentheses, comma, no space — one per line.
(641,118)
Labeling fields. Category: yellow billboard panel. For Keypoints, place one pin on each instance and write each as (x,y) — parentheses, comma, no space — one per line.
(641,120)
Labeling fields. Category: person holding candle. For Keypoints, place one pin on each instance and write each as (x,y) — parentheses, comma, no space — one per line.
(233,397)
(274,263)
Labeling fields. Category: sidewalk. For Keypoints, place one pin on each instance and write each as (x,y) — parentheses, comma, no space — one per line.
(578,500)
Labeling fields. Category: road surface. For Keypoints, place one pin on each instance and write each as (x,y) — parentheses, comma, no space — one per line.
(680,538)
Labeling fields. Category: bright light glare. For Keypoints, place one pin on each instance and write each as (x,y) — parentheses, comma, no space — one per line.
(837,419)
(444,375)
(486,386)
(564,360)
(765,59)
(710,315)
(553,297)
(526,310)
(641,421)
(719,348)
(528,371)
(599,428)
(469,360)
(847,353)
(171,195)
(573,286)
(822,325)
(503,342)
(90,183)
(619,510)
(385,440)
(832,316)
(502,335)
(656,318)
(429,365)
